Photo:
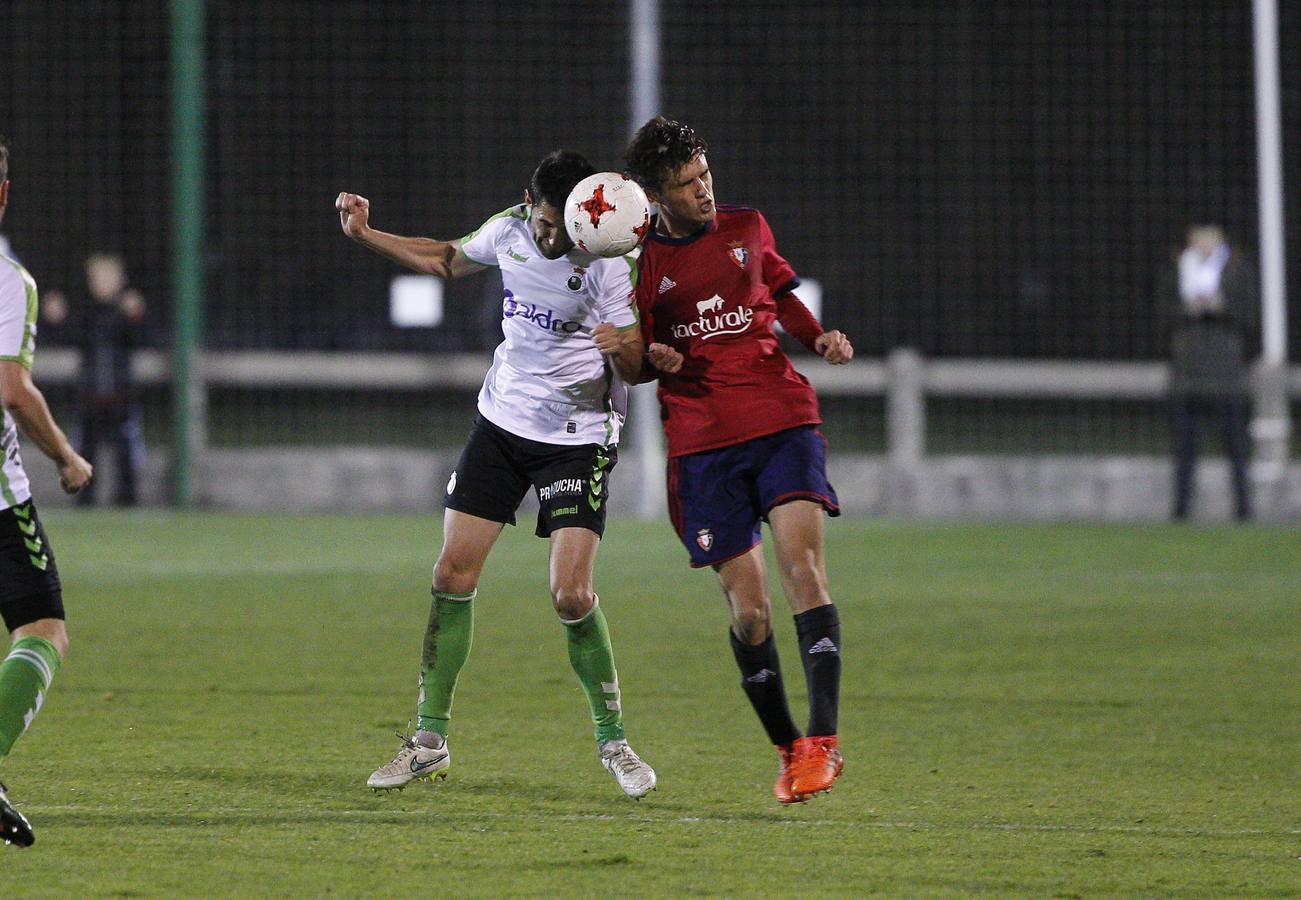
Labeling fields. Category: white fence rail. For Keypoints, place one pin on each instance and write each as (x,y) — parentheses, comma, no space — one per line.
(421,371)
(905,378)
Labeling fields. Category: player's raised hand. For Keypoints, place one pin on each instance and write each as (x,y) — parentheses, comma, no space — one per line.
(834,347)
(74,473)
(354,213)
(664,358)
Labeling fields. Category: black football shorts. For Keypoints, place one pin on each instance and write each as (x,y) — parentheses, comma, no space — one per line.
(29,580)
(497,468)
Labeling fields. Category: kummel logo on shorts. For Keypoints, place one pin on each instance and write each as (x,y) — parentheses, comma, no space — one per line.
(540,316)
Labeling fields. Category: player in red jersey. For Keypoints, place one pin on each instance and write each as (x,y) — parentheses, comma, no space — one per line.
(744,447)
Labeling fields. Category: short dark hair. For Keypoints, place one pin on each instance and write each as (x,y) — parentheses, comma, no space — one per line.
(556,176)
(659,148)
(4,158)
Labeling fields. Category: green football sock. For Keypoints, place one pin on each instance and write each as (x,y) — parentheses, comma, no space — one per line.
(25,676)
(592,657)
(447,646)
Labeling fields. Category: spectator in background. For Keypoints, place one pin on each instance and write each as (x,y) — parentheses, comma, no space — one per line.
(106,329)
(1213,311)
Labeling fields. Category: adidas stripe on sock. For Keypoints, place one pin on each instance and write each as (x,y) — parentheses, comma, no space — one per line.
(818,630)
(761,679)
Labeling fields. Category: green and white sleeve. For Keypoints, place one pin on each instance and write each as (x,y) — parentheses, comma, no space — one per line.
(480,245)
(18,306)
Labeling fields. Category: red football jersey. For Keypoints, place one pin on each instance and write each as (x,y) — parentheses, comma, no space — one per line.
(714,297)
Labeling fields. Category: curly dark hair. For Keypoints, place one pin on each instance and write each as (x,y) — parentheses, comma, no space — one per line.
(659,148)
(556,176)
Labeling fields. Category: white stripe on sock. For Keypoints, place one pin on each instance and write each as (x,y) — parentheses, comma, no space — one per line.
(36,661)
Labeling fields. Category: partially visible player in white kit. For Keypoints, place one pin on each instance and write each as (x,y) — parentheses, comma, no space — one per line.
(31,595)
(550,412)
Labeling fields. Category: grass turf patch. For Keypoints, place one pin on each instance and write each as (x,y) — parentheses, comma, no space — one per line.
(1045,710)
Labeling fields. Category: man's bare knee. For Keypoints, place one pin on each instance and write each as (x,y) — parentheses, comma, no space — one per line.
(53,630)
(453,578)
(571,603)
(751,624)
(805,581)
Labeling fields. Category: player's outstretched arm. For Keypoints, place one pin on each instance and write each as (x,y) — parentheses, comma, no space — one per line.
(834,347)
(27,405)
(425,255)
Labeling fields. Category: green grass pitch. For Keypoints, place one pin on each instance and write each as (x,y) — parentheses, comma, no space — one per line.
(1058,710)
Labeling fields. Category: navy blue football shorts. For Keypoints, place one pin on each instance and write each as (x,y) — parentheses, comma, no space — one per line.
(718,499)
(497,468)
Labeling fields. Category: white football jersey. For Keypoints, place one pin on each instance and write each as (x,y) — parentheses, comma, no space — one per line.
(18,305)
(548,382)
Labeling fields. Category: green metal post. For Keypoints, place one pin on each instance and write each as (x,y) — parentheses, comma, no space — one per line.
(187,213)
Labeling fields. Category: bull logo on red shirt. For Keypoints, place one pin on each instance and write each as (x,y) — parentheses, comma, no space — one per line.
(595,205)
(739,254)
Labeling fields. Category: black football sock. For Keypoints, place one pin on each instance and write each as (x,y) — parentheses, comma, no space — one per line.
(761,678)
(819,632)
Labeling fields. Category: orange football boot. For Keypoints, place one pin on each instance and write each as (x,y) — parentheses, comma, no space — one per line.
(782,788)
(816,765)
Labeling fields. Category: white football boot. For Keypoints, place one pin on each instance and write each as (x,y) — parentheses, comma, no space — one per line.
(414,761)
(635,777)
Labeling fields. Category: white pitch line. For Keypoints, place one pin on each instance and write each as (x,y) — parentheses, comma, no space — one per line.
(1173,831)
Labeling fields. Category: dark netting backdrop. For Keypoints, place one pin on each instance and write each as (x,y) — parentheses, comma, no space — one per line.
(83,102)
(988,179)
(436,113)
(997,180)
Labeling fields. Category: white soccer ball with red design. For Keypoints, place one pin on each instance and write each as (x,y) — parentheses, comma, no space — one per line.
(607,214)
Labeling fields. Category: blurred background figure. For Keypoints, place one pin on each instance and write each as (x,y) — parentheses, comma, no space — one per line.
(1213,310)
(106,328)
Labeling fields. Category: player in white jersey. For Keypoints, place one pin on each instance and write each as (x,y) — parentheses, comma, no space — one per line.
(550,411)
(31,596)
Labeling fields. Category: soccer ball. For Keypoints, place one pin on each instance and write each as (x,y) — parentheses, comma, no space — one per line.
(607,214)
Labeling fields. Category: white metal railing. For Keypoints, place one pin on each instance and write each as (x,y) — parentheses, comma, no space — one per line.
(905,378)
(1082,379)
(1016,378)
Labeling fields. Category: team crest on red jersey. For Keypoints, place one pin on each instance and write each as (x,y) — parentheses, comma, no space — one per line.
(738,253)
(705,538)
